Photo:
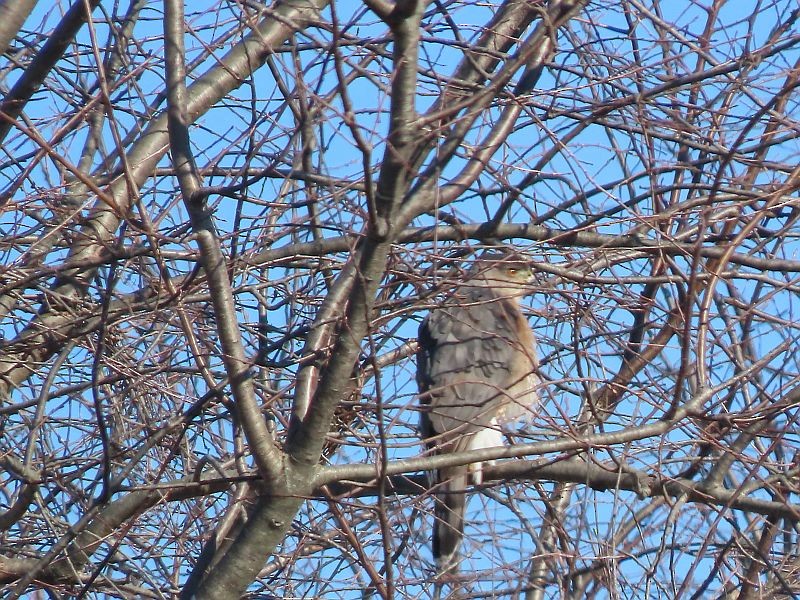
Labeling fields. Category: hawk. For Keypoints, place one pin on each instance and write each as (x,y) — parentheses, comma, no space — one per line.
(476,370)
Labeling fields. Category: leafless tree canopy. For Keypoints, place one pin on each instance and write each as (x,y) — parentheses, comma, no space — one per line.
(222,223)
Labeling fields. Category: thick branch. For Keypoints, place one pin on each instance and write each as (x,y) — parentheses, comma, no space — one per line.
(52,50)
(267,456)
(12,16)
(45,334)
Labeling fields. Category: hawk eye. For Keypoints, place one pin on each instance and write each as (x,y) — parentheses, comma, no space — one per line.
(512,270)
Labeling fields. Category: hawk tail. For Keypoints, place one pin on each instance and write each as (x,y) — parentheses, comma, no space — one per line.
(448,527)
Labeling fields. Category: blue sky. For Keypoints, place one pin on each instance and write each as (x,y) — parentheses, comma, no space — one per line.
(581,327)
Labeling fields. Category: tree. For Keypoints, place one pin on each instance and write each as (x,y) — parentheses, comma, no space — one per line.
(220,230)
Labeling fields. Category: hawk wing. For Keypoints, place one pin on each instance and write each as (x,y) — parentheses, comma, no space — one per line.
(476,371)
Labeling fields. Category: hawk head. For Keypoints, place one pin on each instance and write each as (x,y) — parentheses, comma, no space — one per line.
(508,274)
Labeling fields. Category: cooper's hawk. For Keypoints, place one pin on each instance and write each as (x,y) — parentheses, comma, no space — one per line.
(476,370)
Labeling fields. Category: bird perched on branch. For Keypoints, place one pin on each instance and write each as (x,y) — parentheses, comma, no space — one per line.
(476,370)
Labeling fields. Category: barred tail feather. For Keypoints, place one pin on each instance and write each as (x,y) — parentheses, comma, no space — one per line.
(448,527)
